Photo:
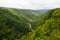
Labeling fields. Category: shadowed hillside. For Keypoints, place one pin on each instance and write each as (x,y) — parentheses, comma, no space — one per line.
(14,22)
(21,24)
(50,30)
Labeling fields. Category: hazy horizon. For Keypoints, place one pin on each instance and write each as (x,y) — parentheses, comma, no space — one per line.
(30,4)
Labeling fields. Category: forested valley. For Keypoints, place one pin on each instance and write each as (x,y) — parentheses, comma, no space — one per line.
(25,24)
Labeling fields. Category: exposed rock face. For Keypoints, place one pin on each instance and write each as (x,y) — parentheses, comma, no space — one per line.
(30,27)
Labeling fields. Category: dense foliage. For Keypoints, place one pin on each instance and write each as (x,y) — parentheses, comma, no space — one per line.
(14,24)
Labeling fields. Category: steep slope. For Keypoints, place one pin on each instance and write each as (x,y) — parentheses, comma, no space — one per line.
(32,14)
(11,24)
(50,30)
(14,24)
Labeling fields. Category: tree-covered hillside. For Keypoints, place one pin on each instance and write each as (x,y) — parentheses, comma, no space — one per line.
(50,30)
(14,22)
(21,24)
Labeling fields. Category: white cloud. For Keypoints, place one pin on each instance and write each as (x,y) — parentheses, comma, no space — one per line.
(30,4)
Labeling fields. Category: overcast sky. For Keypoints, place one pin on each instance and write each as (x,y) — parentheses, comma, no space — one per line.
(30,4)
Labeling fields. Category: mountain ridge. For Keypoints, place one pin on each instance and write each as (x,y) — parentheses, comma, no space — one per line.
(14,24)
